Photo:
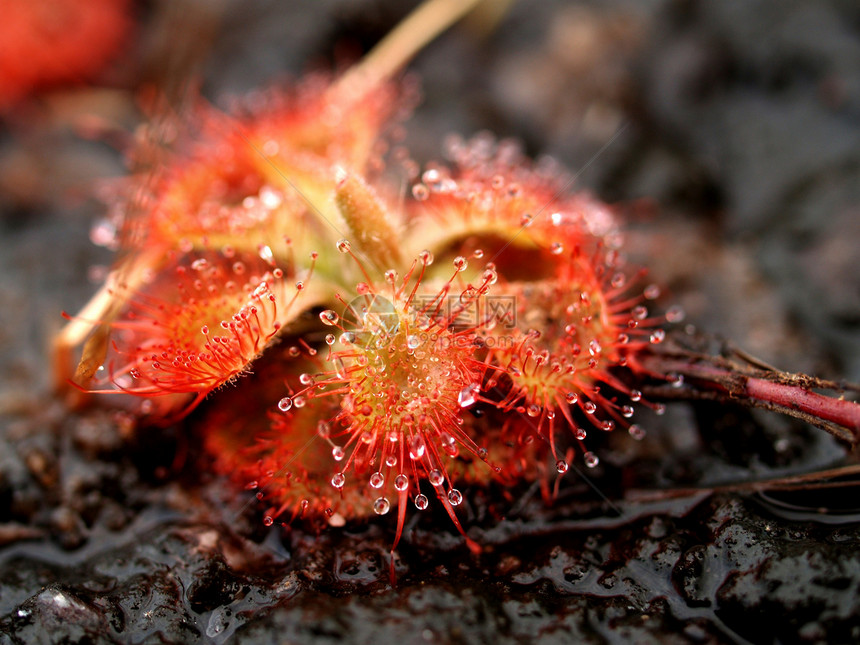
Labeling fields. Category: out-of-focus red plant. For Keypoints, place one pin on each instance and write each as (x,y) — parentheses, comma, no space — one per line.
(55,42)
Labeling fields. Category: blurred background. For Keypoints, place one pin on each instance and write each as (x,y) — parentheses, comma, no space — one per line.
(727,136)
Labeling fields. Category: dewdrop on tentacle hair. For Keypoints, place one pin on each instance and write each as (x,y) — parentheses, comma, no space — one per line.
(481,329)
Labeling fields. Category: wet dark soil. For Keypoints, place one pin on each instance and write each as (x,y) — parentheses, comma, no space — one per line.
(729,135)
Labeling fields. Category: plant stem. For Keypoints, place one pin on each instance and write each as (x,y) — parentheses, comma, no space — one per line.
(744,382)
(409,37)
(829,479)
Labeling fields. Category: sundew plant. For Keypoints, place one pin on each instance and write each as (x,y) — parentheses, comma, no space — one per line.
(408,331)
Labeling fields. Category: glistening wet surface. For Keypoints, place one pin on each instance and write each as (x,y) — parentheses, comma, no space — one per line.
(125,551)
(743,138)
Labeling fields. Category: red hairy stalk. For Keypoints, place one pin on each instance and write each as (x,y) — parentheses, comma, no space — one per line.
(739,378)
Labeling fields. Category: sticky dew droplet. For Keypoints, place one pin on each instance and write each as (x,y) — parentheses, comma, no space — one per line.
(420,192)
(675,314)
(381,506)
(468,396)
(323,429)
(636,431)
(416,448)
(377,479)
(329,317)
(401,482)
(651,292)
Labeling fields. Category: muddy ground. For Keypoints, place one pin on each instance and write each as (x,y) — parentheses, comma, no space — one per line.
(728,134)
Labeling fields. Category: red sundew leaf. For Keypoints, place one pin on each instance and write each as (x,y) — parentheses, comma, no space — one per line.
(375,413)
(494,192)
(323,119)
(244,183)
(560,348)
(252,177)
(212,192)
(196,326)
(301,136)
(400,372)
(282,458)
